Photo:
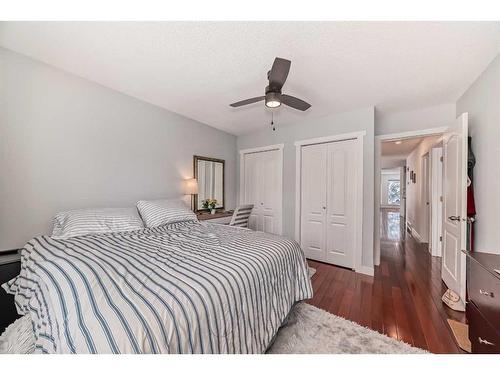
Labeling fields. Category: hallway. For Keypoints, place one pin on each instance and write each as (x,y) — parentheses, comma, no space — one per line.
(402,300)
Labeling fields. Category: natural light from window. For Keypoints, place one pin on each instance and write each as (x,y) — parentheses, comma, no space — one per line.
(393,192)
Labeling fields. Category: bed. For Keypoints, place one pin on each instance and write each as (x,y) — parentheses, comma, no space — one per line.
(186,287)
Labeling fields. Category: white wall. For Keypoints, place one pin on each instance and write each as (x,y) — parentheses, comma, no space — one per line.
(482,102)
(416,208)
(349,122)
(69,143)
(387,175)
(392,161)
(419,119)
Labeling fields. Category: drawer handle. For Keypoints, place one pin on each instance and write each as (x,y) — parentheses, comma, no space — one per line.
(485,293)
(485,342)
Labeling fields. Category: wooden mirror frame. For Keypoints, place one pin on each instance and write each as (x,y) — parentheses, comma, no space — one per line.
(195,170)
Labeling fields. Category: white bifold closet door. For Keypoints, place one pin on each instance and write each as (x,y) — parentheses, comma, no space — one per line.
(262,188)
(328,175)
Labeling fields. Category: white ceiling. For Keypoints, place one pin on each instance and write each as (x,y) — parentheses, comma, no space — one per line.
(197,69)
(402,150)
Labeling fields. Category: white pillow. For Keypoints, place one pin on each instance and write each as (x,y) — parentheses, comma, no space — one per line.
(100,220)
(164,211)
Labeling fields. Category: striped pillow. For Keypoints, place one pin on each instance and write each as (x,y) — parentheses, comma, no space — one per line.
(165,211)
(101,220)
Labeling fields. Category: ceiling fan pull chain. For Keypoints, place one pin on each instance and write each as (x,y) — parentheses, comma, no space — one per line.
(272,121)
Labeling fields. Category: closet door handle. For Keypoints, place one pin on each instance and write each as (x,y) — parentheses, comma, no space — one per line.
(454,218)
(324,207)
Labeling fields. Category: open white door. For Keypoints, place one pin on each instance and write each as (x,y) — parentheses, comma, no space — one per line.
(455,205)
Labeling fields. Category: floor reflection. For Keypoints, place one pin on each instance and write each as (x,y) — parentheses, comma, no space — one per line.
(393,225)
(390,225)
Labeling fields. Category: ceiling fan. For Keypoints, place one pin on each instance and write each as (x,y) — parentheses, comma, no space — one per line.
(274,98)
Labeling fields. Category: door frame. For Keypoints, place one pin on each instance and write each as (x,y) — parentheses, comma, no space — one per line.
(436,214)
(378,150)
(277,147)
(358,204)
(426,193)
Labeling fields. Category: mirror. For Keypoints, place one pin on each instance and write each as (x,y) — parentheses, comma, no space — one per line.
(209,173)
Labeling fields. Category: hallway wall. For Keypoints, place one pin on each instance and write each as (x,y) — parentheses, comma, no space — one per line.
(416,209)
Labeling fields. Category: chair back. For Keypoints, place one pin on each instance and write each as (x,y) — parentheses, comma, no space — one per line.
(241,215)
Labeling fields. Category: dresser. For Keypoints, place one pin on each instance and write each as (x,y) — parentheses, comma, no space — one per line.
(483,307)
(220,217)
(10,266)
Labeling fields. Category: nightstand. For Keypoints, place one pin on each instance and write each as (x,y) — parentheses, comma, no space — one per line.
(10,266)
(220,217)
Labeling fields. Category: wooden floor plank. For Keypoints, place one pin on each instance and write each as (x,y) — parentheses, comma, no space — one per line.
(402,300)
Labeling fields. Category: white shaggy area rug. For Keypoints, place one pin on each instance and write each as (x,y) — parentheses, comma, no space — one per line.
(310,330)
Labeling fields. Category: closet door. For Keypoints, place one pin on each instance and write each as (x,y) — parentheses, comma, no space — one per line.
(262,188)
(313,201)
(270,191)
(341,177)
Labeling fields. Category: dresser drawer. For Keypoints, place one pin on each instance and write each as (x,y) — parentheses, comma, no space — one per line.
(483,336)
(484,292)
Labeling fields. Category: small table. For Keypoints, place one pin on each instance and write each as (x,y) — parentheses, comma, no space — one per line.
(220,217)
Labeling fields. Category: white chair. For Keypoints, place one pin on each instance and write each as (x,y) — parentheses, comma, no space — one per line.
(241,215)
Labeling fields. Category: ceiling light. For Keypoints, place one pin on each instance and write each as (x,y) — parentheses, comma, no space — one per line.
(273,100)
(398,142)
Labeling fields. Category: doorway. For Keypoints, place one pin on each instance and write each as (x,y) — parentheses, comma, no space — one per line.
(412,158)
(435,163)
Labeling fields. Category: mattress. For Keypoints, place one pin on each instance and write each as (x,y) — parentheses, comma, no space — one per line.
(187,287)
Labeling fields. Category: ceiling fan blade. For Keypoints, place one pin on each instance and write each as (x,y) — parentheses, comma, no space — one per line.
(294,102)
(248,101)
(278,73)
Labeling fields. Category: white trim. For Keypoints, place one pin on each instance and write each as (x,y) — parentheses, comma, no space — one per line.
(330,138)
(415,235)
(435,245)
(278,147)
(412,134)
(358,221)
(392,206)
(366,270)
(378,150)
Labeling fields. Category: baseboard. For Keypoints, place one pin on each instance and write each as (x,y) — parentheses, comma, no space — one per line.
(365,270)
(415,235)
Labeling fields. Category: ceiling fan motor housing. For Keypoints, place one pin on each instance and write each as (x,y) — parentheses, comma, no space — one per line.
(273,97)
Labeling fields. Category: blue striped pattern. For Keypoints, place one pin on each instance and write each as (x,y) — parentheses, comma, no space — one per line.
(164,211)
(187,287)
(99,220)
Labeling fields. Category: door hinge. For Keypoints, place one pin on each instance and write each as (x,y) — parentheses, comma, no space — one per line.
(441,159)
(440,238)
(441,198)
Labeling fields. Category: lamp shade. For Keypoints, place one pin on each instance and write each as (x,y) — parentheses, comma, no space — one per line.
(191,186)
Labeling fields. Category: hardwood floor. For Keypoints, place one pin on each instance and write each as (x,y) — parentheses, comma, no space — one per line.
(402,300)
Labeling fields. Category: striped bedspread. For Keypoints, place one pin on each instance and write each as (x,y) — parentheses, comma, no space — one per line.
(187,287)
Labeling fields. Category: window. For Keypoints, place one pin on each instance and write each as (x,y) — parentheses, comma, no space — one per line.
(393,192)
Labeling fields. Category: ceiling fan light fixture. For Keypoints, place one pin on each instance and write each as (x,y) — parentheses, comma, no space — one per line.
(273,100)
